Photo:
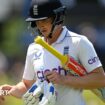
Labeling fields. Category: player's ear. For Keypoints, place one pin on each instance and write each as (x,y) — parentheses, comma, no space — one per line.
(33,24)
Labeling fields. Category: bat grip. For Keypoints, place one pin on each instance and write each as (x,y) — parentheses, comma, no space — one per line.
(61,57)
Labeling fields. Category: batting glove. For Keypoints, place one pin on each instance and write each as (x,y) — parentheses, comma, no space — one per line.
(49,97)
(34,94)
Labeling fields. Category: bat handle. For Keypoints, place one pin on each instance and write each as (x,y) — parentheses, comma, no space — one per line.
(61,57)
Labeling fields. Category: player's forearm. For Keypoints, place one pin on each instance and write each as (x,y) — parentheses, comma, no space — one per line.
(90,81)
(18,90)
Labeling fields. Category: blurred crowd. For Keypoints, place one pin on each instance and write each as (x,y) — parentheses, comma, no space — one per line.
(86,17)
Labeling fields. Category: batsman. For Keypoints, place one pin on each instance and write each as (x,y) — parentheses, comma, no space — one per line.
(45,81)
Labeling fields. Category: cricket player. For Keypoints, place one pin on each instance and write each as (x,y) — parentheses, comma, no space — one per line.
(45,70)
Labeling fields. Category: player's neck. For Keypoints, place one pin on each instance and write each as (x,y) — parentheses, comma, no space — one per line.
(55,36)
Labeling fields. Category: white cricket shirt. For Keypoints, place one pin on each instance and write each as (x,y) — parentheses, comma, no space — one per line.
(39,60)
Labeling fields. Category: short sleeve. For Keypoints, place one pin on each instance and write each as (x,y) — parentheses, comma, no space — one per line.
(87,55)
(29,73)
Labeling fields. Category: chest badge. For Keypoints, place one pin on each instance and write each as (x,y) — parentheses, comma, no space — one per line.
(66,50)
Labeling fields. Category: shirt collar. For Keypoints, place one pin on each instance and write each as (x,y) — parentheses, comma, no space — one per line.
(62,35)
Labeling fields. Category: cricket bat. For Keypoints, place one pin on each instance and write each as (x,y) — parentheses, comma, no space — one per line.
(70,64)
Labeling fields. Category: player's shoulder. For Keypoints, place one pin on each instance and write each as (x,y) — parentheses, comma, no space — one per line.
(75,37)
(33,47)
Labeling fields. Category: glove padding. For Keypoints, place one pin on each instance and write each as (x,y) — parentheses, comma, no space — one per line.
(49,97)
(34,94)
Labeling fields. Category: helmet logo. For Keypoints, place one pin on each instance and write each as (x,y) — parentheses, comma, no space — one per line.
(35,9)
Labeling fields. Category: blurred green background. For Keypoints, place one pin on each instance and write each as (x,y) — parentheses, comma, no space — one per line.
(86,17)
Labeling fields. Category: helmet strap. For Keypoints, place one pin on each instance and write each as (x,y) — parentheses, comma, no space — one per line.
(56,21)
(52,29)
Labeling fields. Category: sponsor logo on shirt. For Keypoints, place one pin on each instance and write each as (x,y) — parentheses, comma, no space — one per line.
(93,60)
(59,69)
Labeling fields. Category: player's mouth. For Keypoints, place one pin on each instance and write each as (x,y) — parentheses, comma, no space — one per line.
(44,31)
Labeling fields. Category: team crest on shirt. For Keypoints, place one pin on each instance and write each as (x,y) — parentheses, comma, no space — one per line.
(37,54)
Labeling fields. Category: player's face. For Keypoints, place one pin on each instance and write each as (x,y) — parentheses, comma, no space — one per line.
(44,26)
